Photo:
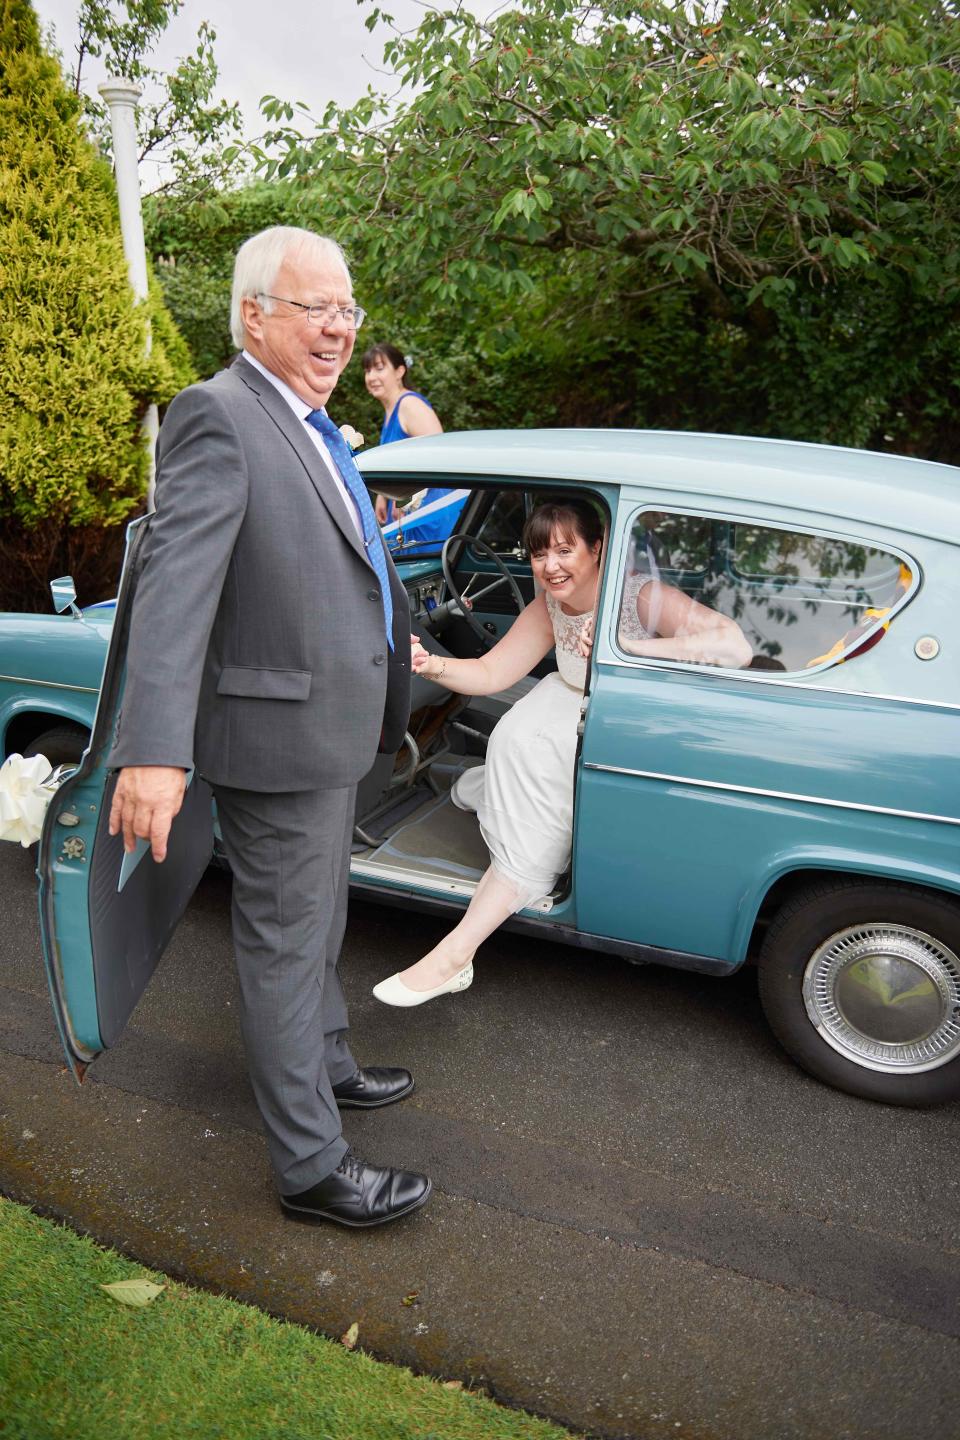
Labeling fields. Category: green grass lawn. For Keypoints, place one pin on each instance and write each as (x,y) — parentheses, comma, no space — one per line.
(75,1363)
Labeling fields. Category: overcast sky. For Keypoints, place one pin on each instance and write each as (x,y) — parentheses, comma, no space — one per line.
(309,50)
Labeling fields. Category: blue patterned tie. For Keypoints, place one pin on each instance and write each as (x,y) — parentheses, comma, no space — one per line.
(351,477)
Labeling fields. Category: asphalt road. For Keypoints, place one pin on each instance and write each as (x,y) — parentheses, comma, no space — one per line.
(646,1221)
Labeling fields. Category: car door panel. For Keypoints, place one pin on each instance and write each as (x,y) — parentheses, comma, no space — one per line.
(701,784)
(101,943)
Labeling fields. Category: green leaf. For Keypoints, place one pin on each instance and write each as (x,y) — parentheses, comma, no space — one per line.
(770,285)
(671,217)
(137,1293)
(830,147)
(874,172)
(850,252)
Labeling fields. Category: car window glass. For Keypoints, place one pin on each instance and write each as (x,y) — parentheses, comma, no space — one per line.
(681,541)
(738,594)
(502,525)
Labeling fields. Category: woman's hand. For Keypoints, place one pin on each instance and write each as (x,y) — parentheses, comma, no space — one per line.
(419,657)
(380,504)
(585,646)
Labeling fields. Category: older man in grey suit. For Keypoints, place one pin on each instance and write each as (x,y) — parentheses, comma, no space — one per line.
(270,649)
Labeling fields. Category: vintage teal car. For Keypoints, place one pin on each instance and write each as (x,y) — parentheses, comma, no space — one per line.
(801,812)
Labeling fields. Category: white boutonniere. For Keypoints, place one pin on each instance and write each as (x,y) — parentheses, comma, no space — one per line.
(353,437)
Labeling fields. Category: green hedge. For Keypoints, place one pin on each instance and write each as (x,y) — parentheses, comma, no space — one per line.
(74,379)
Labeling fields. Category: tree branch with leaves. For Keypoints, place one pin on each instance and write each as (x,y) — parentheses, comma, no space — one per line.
(181,124)
(767,145)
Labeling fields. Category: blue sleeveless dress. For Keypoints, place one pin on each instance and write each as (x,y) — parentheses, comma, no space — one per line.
(422,530)
(392,429)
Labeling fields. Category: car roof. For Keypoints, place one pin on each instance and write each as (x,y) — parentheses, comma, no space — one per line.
(895,491)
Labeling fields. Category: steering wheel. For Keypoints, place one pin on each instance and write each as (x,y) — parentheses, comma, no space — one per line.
(463,598)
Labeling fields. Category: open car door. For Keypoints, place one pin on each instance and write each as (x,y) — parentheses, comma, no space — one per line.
(105,920)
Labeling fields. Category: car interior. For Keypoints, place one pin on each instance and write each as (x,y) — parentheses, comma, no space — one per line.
(407,830)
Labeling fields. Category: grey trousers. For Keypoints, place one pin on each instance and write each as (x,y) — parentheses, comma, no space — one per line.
(290,857)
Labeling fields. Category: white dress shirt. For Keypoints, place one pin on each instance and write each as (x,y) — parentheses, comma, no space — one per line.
(301,409)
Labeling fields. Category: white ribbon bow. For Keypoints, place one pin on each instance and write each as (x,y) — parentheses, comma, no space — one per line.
(24,796)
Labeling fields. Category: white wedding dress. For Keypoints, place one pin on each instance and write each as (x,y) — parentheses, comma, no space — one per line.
(523,794)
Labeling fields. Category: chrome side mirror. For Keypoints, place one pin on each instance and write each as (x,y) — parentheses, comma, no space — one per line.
(64,594)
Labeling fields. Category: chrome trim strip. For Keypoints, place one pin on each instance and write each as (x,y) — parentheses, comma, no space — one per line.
(774,794)
(753,677)
(52,684)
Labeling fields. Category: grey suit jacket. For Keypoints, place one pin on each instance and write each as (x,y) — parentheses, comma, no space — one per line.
(257,650)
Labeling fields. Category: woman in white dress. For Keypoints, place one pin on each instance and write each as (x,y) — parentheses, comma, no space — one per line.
(523,794)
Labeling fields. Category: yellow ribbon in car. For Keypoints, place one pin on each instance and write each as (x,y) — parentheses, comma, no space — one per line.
(868,618)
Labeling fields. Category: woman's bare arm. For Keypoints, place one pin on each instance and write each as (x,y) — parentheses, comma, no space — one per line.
(528,640)
(683,629)
(417,417)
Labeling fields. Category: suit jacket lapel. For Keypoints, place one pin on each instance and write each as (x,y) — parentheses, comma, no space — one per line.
(293,430)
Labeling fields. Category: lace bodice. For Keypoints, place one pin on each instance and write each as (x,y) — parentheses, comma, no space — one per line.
(630,627)
(567,630)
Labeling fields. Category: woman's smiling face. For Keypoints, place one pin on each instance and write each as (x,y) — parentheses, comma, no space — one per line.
(567,569)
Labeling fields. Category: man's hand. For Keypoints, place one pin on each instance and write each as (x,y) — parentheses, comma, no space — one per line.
(145,801)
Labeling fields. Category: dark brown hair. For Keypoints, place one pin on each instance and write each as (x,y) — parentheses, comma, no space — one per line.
(566,517)
(390,353)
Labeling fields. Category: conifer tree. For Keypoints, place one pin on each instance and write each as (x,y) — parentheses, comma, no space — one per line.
(74,379)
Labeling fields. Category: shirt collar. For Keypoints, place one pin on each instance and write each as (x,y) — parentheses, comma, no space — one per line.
(299,407)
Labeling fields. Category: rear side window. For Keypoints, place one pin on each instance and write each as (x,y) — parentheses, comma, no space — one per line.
(741,595)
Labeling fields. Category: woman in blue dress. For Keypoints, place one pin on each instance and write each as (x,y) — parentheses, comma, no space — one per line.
(407,412)
(430,517)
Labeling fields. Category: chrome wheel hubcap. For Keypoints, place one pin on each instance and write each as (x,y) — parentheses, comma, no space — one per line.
(886,997)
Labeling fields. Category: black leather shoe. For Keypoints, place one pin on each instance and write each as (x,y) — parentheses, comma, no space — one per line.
(377,1085)
(360,1194)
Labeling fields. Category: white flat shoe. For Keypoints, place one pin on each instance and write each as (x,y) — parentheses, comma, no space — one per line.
(392,991)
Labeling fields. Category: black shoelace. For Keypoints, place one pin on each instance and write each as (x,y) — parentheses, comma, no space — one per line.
(352,1166)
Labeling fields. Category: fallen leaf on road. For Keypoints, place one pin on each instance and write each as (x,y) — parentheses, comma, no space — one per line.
(133,1292)
(411,1299)
(349,1340)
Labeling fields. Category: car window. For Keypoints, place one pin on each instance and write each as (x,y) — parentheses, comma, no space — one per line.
(742,595)
(502,525)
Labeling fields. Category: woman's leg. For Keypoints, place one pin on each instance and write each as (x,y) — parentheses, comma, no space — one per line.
(524,800)
(495,899)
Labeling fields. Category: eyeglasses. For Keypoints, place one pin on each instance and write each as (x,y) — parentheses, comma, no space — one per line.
(323,314)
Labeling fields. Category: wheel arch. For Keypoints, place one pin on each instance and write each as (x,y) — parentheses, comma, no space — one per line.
(23,724)
(790,877)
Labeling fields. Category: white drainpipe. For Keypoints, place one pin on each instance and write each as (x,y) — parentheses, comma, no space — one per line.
(122,97)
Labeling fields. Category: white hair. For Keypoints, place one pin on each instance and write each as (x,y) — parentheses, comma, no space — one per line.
(259,259)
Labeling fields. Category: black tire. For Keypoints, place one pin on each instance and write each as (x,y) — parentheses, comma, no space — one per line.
(62,745)
(888,944)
